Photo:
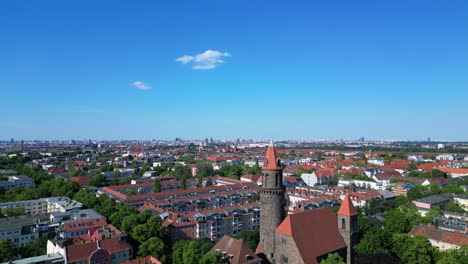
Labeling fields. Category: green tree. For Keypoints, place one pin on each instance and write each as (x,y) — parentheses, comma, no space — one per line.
(183,184)
(437,173)
(419,251)
(178,252)
(116,177)
(433,212)
(453,206)
(250,237)
(374,241)
(86,197)
(452,256)
(34,248)
(196,249)
(12,211)
(333,259)
(7,250)
(155,247)
(98,180)
(209,182)
(212,258)
(400,243)
(397,221)
(191,252)
(199,182)
(157,186)
(151,228)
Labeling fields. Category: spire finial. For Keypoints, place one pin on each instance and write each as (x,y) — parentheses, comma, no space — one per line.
(271,143)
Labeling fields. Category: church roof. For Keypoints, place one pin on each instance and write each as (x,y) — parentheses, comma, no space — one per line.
(235,251)
(271,159)
(347,208)
(315,233)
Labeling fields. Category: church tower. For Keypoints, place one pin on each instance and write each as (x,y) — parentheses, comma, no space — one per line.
(272,202)
(348,226)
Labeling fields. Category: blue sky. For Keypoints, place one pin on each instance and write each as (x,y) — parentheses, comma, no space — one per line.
(274,69)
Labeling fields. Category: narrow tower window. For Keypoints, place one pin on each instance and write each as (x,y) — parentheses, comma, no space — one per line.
(343,223)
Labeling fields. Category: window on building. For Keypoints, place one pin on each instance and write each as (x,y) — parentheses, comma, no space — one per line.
(343,223)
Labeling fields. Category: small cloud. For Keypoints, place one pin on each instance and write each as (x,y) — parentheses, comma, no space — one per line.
(142,85)
(185,59)
(207,60)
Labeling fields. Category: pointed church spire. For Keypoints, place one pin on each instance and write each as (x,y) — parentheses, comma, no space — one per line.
(347,208)
(271,159)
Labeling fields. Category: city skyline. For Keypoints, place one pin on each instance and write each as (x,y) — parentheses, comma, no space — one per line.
(234,70)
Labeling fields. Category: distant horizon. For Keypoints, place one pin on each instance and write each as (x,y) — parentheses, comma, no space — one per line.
(250,69)
(258,140)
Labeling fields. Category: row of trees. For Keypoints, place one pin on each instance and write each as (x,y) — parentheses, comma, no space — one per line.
(393,240)
(9,251)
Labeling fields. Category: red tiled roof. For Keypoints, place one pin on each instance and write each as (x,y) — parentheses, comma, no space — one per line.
(325,172)
(80,252)
(271,159)
(240,252)
(454,170)
(315,233)
(428,167)
(57,170)
(81,180)
(144,260)
(347,208)
(400,164)
(452,238)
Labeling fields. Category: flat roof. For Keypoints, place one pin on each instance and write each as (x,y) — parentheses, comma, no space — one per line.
(37,259)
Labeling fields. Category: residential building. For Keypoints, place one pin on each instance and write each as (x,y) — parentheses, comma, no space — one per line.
(425,204)
(446,157)
(453,225)
(213,223)
(235,251)
(441,239)
(9,182)
(78,223)
(44,205)
(21,230)
(454,172)
(112,250)
(462,200)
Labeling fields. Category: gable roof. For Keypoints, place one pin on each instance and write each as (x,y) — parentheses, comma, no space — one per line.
(347,208)
(432,233)
(315,233)
(83,251)
(236,250)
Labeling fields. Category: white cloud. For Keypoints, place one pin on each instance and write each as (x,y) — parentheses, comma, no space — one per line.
(185,59)
(207,60)
(141,85)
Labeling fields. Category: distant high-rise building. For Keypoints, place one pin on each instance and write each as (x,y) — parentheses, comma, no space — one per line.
(238,141)
(428,139)
(362,139)
(178,140)
(211,140)
(206,141)
(12,140)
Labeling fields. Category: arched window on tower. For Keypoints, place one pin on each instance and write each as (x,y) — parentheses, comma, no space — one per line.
(343,223)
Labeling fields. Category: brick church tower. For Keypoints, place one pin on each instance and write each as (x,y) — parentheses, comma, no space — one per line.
(348,226)
(272,202)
